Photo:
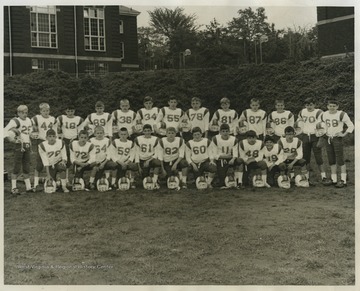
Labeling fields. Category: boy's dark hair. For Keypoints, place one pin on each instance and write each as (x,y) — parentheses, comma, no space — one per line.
(171,129)
(279,100)
(196,99)
(99,127)
(147,126)
(147,99)
(289,129)
(50,132)
(254,100)
(172,97)
(70,106)
(99,104)
(196,129)
(251,133)
(332,101)
(309,100)
(224,126)
(268,138)
(83,131)
(123,129)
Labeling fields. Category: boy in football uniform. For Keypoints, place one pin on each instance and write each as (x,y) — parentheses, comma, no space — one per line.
(274,158)
(226,154)
(123,155)
(82,154)
(98,118)
(293,152)
(146,154)
(225,115)
(125,117)
(280,119)
(41,124)
(54,158)
(251,152)
(67,127)
(170,115)
(147,114)
(199,156)
(255,118)
(172,156)
(103,161)
(22,126)
(310,116)
(199,117)
(335,121)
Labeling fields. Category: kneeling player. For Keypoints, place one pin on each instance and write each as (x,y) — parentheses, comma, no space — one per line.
(53,156)
(171,155)
(200,157)
(225,147)
(123,156)
(251,151)
(146,156)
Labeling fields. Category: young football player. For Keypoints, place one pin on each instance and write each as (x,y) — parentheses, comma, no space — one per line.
(199,117)
(251,152)
(335,120)
(146,156)
(67,127)
(310,116)
(41,124)
(18,132)
(293,152)
(170,115)
(255,118)
(225,115)
(125,117)
(102,156)
(54,158)
(226,154)
(98,118)
(280,119)
(82,155)
(199,156)
(172,156)
(274,158)
(148,114)
(123,156)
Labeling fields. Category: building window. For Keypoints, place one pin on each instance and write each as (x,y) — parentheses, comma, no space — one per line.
(43,26)
(90,69)
(94,29)
(103,69)
(122,50)
(53,65)
(121,27)
(37,65)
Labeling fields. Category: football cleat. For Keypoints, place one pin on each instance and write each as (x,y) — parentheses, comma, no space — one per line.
(173,183)
(201,183)
(49,186)
(284,182)
(124,184)
(258,181)
(301,181)
(15,191)
(148,183)
(230,181)
(78,184)
(102,185)
(327,182)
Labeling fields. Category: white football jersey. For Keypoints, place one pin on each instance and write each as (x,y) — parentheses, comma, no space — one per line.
(199,118)
(171,117)
(290,148)
(198,151)
(310,119)
(43,124)
(125,119)
(229,117)
(94,119)
(52,154)
(146,148)
(335,122)
(102,149)
(171,151)
(24,126)
(69,126)
(256,120)
(247,151)
(84,153)
(225,146)
(275,155)
(280,121)
(148,116)
(123,151)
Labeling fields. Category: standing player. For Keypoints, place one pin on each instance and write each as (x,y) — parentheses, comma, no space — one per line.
(148,114)
(146,156)
(41,124)
(123,155)
(53,156)
(22,127)
(98,118)
(226,115)
(251,152)
(200,157)
(199,117)
(280,119)
(335,121)
(170,115)
(172,155)
(226,153)
(125,117)
(310,116)
(255,118)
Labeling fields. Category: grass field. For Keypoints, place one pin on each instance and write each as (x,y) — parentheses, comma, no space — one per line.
(213,237)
